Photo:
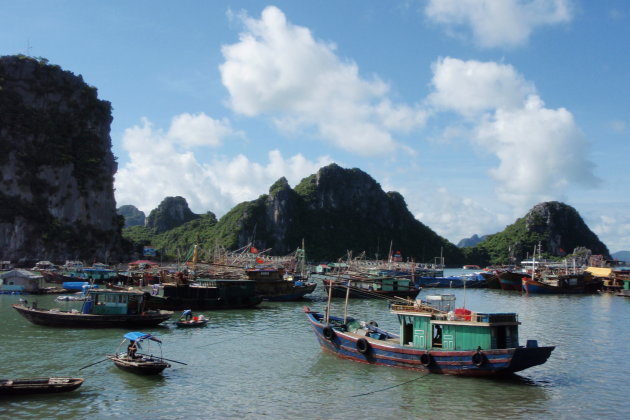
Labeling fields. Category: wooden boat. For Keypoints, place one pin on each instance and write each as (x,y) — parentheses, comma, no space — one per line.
(562,284)
(102,309)
(38,385)
(205,294)
(372,287)
(433,339)
(511,280)
(143,364)
(271,284)
(187,320)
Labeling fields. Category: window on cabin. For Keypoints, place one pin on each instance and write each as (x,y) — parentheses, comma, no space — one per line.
(437,336)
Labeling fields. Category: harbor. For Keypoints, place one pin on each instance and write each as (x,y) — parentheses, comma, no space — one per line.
(266,362)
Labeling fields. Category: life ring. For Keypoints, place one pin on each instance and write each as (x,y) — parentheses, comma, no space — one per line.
(373,323)
(328,333)
(426,359)
(478,359)
(363,346)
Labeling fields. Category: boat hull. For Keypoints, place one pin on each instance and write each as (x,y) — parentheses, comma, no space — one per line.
(390,353)
(191,324)
(79,320)
(537,287)
(139,366)
(38,385)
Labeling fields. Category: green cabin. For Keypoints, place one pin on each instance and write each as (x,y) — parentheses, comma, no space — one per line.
(114,302)
(435,324)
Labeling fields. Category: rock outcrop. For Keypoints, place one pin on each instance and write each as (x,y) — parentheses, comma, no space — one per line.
(56,166)
(171,213)
(335,211)
(133,216)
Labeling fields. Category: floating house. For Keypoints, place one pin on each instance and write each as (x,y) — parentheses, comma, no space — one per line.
(21,281)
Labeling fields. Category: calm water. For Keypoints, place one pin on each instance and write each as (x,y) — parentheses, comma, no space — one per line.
(266,363)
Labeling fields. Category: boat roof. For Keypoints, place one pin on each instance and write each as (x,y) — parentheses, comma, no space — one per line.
(139,336)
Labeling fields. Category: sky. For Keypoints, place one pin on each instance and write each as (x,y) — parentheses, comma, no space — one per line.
(473,110)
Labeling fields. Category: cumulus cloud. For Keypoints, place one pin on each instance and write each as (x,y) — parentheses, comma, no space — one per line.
(469,87)
(454,217)
(278,69)
(541,151)
(498,23)
(199,130)
(158,168)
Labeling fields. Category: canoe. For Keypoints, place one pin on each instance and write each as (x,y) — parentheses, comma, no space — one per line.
(38,385)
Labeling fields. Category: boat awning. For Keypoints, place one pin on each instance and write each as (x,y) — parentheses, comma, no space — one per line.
(139,336)
(600,271)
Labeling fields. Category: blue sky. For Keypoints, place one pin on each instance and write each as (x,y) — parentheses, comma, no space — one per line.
(474,110)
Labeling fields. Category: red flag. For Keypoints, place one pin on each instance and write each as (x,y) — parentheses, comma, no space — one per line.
(253,250)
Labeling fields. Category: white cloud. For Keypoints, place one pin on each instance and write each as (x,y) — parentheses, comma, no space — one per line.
(541,151)
(455,218)
(156,169)
(618,126)
(199,130)
(279,69)
(496,23)
(469,87)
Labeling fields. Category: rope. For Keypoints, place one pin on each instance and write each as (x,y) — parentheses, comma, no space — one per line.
(390,387)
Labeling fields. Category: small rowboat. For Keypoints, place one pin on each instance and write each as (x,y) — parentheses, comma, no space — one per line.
(144,364)
(187,320)
(38,385)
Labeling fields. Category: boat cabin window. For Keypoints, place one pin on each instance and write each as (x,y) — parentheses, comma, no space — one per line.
(406,323)
(437,335)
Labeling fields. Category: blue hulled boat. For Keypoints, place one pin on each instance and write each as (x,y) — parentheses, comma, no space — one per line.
(433,337)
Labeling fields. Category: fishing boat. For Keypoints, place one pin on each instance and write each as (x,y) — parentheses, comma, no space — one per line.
(204,294)
(567,283)
(271,284)
(434,337)
(511,280)
(375,286)
(188,320)
(131,361)
(102,309)
(38,385)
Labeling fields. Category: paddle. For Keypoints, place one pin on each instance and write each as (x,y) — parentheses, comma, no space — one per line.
(100,361)
(164,358)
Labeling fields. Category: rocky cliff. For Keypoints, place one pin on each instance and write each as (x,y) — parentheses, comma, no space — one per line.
(133,216)
(171,213)
(557,227)
(56,166)
(335,210)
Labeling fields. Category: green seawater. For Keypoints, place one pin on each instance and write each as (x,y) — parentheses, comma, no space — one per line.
(266,363)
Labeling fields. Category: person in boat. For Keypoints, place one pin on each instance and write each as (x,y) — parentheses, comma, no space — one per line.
(187,315)
(131,349)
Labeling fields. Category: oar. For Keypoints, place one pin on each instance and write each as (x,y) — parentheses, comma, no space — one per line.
(100,361)
(164,358)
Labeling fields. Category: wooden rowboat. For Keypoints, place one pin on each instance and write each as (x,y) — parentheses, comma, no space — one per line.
(38,385)
(142,364)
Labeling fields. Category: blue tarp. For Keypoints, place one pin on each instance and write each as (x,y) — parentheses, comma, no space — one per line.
(139,336)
